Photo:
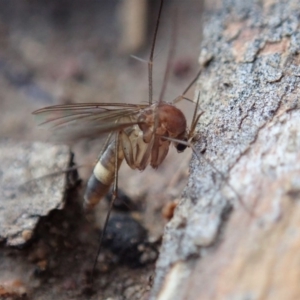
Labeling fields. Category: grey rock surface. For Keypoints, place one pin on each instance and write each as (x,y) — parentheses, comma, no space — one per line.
(26,194)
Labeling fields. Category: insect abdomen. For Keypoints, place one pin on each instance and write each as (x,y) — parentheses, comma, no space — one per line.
(102,177)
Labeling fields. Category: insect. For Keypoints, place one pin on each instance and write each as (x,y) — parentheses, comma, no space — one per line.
(141,134)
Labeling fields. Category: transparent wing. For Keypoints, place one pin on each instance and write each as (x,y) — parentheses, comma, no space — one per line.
(71,122)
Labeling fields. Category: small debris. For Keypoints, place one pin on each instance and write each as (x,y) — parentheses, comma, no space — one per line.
(12,289)
(27,235)
(182,67)
(168,210)
(127,239)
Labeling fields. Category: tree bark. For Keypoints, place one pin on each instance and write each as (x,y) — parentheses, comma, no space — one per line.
(214,248)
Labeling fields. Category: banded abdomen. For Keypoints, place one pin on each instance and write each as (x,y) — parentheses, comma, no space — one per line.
(102,177)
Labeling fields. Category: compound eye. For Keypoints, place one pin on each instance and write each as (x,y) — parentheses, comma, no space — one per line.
(180,147)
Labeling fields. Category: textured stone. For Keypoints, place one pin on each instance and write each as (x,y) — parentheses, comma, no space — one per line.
(26,194)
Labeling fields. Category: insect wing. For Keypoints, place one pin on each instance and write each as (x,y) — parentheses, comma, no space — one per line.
(89,120)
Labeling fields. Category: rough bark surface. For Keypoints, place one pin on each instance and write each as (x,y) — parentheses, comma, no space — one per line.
(249,91)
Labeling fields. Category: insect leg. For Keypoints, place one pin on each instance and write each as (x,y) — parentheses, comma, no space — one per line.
(182,97)
(114,196)
(150,62)
(171,54)
(189,144)
(195,119)
(106,143)
(126,146)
